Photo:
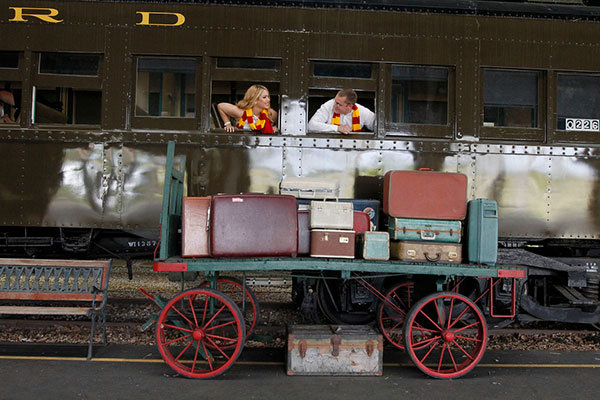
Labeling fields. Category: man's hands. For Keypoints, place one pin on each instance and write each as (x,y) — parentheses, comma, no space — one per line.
(344,129)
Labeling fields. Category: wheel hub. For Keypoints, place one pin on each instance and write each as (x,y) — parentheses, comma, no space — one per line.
(198,334)
(448,336)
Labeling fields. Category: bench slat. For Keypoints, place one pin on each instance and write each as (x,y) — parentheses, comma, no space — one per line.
(26,310)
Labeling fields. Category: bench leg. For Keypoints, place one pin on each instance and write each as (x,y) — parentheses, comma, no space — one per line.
(89,356)
(104,325)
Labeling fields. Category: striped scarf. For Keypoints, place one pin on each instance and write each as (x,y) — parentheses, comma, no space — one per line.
(355,119)
(263,124)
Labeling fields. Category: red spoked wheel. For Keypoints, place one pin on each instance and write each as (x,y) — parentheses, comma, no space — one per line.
(392,312)
(200,333)
(441,341)
(248,303)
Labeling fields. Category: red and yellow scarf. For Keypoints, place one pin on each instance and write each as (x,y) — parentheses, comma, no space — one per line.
(263,124)
(355,119)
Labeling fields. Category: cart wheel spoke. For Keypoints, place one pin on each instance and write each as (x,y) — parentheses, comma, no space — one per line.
(456,350)
(392,311)
(221,332)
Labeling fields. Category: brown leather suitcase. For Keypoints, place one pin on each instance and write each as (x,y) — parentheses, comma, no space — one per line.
(426,251)
(303,232)
(425,194)
(246,225)
(194,227)
(330,243)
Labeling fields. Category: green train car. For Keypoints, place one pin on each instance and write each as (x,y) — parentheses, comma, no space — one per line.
(507,93)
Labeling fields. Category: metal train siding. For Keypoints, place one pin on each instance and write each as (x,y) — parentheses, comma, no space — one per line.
(83,162)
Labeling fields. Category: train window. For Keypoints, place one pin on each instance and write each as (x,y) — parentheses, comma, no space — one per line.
(166,87)
(69,64)
(578,102)
(342,69)
(316,97)
(419,95)
(10,102)
(249,63)
(9,59)
(65,105)
(233,91)
(510,98)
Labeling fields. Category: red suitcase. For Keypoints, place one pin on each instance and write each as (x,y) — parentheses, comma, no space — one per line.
(194,226)
(332,243)
(425,194)
(303,232)
(362,222)
(246,225)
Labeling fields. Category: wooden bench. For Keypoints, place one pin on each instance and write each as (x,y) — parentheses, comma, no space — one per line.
(69,287)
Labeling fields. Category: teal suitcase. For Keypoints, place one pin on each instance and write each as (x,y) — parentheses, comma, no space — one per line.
(482,231)
(373,246)
(425,230)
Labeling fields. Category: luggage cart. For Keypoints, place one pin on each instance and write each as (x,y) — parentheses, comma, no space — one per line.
(201,332)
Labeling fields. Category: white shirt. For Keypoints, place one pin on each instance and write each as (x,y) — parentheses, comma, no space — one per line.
(321,121)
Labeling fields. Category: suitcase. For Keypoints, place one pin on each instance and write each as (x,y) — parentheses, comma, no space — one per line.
(424,229)
(331,215)
(371,207)
(361,222)
(482,231)
(243,225)
(334,350)
(310,188)
(303,232)
(194,226)
(332,243)
(373,246)
(426,252)
(425,194)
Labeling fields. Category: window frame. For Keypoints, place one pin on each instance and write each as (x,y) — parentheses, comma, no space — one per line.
(515,133)
(400,129)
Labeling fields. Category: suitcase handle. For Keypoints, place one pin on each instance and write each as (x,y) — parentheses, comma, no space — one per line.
(433,259)
(428,235)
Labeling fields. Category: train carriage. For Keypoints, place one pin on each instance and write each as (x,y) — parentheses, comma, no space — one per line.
(503,92)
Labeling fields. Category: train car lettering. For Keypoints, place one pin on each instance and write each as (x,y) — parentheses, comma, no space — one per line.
(146,18)
(44,14)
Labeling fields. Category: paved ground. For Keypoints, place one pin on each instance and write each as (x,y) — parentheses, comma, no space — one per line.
(137,372)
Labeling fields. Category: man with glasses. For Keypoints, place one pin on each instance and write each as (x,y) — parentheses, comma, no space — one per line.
(342,114)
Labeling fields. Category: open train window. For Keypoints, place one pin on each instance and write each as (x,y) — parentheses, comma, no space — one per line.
(165,87)
(10,102)
(317,97)
(510,101)
(232,76)
(67,89)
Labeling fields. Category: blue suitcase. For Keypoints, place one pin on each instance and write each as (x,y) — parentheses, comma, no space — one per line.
(373,246)
(424,229)
(482,231)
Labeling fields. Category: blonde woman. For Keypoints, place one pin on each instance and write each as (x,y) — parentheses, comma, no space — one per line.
(253,112)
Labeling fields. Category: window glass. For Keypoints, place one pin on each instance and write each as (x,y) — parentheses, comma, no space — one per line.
(510,98)
(578,101)
(63,105)
(419,95)
(248,63)
(10,102)
(9,59)
(166,87)
(69,64)
(342,69)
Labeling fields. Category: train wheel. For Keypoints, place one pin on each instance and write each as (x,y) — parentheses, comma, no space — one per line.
(200,333)
(248,304)
(345,301)
(392,312)
(441,343)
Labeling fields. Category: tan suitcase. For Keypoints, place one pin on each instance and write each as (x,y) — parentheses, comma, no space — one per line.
(433,252)
(331,215)
(194,227)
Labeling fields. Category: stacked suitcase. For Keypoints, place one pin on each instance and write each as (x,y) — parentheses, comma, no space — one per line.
(425,210)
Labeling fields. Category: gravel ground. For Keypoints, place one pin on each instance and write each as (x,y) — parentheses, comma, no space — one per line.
(125,320)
